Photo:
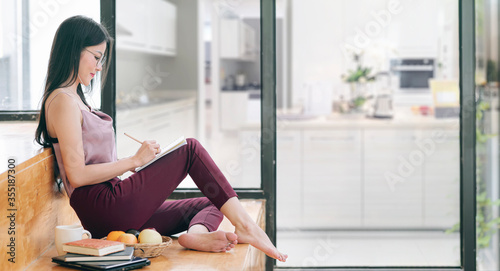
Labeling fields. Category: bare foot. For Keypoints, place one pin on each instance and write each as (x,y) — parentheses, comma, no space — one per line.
(255,236)
(217,241)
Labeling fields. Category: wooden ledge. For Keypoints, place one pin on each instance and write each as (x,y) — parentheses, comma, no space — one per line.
(175,257)
(34,208)
(17,141)
(40,207)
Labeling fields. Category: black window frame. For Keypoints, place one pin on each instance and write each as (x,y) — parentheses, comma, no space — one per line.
(267,190)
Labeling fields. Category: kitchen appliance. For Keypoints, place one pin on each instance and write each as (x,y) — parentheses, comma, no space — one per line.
(229,83)
(446,95)
(414,73)
(382,106)
(240,80)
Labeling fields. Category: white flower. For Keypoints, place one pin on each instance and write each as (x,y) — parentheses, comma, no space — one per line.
(362,79)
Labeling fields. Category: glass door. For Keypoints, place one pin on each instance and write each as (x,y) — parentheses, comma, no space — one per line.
(194,72)
(368,133)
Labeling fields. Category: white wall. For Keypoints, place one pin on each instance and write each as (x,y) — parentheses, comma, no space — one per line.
(316,26)
(324,32)
(494,29)
(448,51)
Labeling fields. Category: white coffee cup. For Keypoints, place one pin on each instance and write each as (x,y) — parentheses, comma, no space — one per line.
(68,233)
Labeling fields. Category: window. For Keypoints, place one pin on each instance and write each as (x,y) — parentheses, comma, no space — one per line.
(195,72)
(27,29)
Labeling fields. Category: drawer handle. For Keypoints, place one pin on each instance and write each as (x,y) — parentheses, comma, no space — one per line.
(157,116)
(326,138)
(159,127)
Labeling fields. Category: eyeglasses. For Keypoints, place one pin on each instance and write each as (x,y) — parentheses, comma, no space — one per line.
(100,60)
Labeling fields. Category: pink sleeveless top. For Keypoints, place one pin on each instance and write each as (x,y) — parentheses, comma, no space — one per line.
(98,142)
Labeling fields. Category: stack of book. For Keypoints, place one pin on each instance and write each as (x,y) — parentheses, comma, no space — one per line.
(98,254)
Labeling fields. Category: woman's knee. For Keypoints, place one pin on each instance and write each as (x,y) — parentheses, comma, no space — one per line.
(193,142)
(195,145)
(202,202)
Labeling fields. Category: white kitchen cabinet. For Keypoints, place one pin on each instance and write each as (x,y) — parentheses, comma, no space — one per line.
(153,29)
(289,192)
(385,178)
(162,26)
(137,122)
(441,178)
(237,40)
(249,160)
(289,198)
(248,42)
(413,36)
(131,33)
(233,109)
(230,38)
(162,122)
(392,182)
(183,118)
(332,188)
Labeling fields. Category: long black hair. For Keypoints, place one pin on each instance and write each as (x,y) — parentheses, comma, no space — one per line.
(72,37)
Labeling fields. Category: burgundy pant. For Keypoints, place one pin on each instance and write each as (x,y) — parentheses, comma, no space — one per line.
(138,202)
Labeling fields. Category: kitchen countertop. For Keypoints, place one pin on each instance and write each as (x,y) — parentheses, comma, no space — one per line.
(159,97)
(403,119)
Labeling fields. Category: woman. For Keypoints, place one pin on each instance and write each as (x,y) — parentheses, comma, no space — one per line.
(84,145)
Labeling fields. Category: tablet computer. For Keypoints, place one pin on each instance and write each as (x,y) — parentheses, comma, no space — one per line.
(134,263)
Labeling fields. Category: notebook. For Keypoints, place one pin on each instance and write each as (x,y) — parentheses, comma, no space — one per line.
(126,254)
(134,263)
(94,247)
(179,142)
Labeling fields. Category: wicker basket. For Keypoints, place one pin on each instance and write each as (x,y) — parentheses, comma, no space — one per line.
(150,250)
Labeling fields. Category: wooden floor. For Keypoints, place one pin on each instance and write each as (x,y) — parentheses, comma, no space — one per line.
(175,257)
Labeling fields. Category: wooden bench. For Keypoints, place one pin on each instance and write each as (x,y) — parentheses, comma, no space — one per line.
(38,207)
(175,257)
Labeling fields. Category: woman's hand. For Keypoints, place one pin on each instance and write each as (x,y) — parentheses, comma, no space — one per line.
(146,152)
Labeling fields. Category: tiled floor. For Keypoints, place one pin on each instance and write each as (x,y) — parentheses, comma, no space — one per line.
(375,248)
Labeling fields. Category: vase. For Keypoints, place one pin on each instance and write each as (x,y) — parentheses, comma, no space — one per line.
(358,97)
(358,89)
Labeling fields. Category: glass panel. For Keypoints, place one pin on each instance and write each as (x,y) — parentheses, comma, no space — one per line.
(25,44)
(194,72)
(368,169)
(487,134)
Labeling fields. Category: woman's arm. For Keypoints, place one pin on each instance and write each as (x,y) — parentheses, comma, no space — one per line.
(65,119)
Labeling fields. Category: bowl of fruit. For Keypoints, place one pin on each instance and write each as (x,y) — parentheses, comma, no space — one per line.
(147,243)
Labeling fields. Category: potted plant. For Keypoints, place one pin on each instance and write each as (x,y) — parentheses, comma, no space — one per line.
(487,223)
(357,80)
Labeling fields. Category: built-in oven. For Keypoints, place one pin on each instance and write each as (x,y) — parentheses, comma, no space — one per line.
(414,73)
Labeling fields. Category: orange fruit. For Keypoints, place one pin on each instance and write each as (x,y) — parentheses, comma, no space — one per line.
(127,238)
(113,236)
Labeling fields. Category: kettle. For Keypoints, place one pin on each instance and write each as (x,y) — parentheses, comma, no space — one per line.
(229,83)
(382,107)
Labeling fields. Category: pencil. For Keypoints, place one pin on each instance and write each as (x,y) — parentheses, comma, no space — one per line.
(133,138)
